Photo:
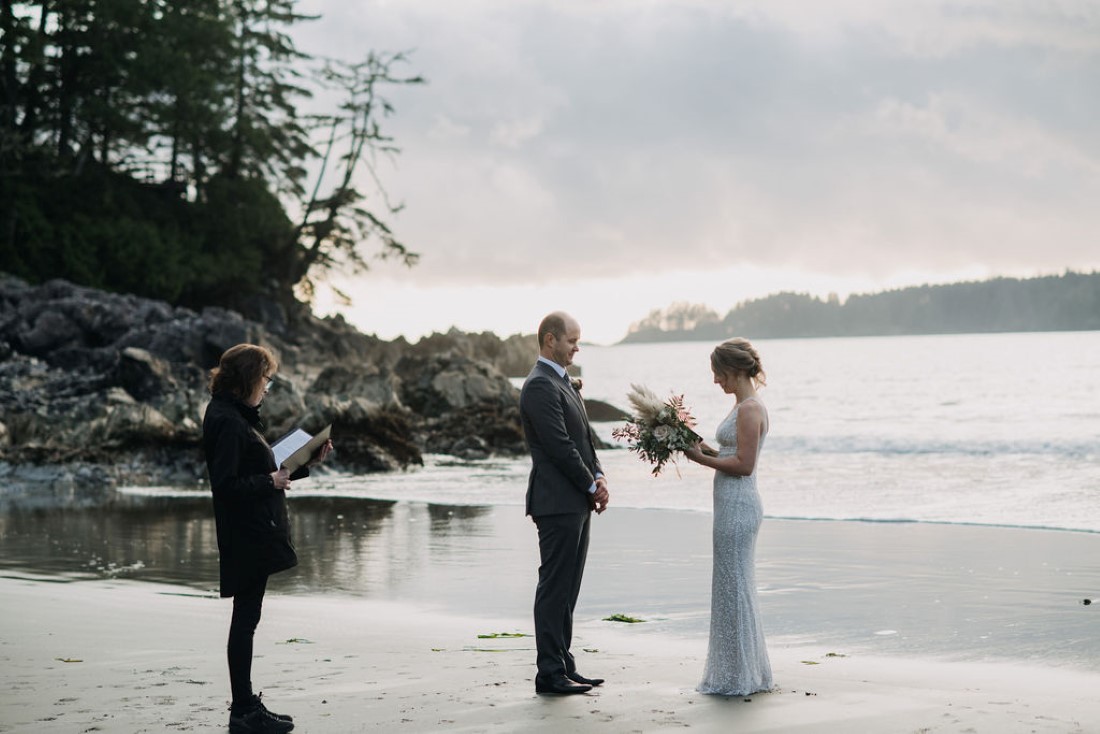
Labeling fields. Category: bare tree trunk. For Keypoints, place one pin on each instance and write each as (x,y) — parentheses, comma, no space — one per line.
(236,152)
(36,77)
(105,138)
(8,77)
(198,165)
(65,92)
(174,160)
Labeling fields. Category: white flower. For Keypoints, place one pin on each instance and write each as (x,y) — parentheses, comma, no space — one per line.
(646,403)
(661,432)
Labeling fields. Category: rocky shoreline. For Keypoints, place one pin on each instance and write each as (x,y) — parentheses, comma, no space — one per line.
(100,389)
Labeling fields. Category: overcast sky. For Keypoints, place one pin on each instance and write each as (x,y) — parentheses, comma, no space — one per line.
(613,157)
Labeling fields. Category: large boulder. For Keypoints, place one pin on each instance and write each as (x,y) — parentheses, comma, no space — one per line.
(284,409)
(374,439)
(371,428)
(601,412)
(368,381)
(127,423)
(95,379)
(88,375)
(436,385)
(459,398)
(142,375)
(511,357)
(65,324)
(42,331)
(192,338)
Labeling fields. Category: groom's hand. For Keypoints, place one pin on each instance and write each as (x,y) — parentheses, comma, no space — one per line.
(601,497)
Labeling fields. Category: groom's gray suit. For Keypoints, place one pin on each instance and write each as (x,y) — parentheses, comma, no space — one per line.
(564,467)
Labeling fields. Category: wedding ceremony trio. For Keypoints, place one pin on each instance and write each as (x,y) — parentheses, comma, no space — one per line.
(565,487)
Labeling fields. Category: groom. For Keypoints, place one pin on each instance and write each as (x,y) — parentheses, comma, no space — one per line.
(565,485)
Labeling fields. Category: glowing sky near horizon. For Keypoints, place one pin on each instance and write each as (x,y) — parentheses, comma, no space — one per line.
(614,157)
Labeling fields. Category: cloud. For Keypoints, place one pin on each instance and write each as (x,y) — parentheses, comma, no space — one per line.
(569,139)
(930,29)
(515,133)
(963,128)
(447,132)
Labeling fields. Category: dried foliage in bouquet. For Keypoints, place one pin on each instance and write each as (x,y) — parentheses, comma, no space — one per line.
(658,428)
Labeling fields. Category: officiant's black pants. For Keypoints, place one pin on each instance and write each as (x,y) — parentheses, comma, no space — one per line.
(563,548)
(247,603)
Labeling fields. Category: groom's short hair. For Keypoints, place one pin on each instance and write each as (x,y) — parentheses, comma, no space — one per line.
(553,324)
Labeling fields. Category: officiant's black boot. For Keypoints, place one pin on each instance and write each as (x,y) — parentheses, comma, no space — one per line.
(284,717)
(256,719)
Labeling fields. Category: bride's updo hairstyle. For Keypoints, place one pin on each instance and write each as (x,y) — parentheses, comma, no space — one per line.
(735,356)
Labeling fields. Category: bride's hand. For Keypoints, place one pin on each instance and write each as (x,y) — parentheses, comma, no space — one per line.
(698,451)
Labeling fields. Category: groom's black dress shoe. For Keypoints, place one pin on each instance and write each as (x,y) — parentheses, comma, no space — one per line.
(578,678)
(559,684)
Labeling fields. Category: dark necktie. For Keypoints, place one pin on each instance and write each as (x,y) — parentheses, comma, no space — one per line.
(576,395)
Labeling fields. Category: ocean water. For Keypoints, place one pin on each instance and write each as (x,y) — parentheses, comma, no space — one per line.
(916,436)
(995,429)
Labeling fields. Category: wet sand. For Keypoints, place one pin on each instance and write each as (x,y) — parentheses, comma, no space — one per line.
(137,657)
(871,628)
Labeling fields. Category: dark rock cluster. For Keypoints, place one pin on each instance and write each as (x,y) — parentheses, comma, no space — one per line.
(116,385)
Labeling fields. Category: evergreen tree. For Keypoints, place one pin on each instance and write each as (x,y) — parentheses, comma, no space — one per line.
(156,147)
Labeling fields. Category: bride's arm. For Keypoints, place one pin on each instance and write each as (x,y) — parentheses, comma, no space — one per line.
(750,423)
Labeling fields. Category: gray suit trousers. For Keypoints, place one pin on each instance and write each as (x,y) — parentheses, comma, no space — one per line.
(563,548)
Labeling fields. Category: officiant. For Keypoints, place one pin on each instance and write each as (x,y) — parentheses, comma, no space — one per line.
(250,512)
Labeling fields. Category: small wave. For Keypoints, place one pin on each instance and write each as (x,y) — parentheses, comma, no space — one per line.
(503,482)
(914,521)
(1074,450)
(464,497)
(162,491)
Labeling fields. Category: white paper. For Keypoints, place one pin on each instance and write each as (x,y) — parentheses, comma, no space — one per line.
(288,444)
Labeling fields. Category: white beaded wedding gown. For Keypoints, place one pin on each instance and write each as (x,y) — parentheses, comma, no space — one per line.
(737,658)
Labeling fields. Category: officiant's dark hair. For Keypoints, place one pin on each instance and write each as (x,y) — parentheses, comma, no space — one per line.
(552,324)
(738,355)
(241,369)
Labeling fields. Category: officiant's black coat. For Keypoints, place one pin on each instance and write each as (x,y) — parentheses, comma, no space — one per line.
(250,513)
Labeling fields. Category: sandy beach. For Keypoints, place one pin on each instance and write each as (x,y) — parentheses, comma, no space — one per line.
(131,655)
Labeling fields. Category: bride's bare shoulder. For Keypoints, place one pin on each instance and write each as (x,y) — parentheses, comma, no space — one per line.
(752,404)
(752,409)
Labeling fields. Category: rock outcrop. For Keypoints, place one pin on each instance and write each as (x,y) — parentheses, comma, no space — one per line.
(466,408)
(118,383)
(512,356)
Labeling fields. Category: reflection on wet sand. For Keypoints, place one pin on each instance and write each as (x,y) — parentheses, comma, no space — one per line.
(905,588)
(351,546)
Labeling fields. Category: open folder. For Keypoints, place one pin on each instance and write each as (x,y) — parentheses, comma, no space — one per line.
(297,447)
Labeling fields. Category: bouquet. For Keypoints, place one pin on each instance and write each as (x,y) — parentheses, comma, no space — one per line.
(658,429)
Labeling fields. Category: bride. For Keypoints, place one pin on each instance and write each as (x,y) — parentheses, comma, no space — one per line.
(737,658)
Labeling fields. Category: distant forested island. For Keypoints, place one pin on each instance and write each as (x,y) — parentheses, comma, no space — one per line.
(1067,302)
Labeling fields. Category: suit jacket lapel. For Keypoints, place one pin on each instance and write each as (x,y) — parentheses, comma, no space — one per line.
(563,385)
(579,400)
